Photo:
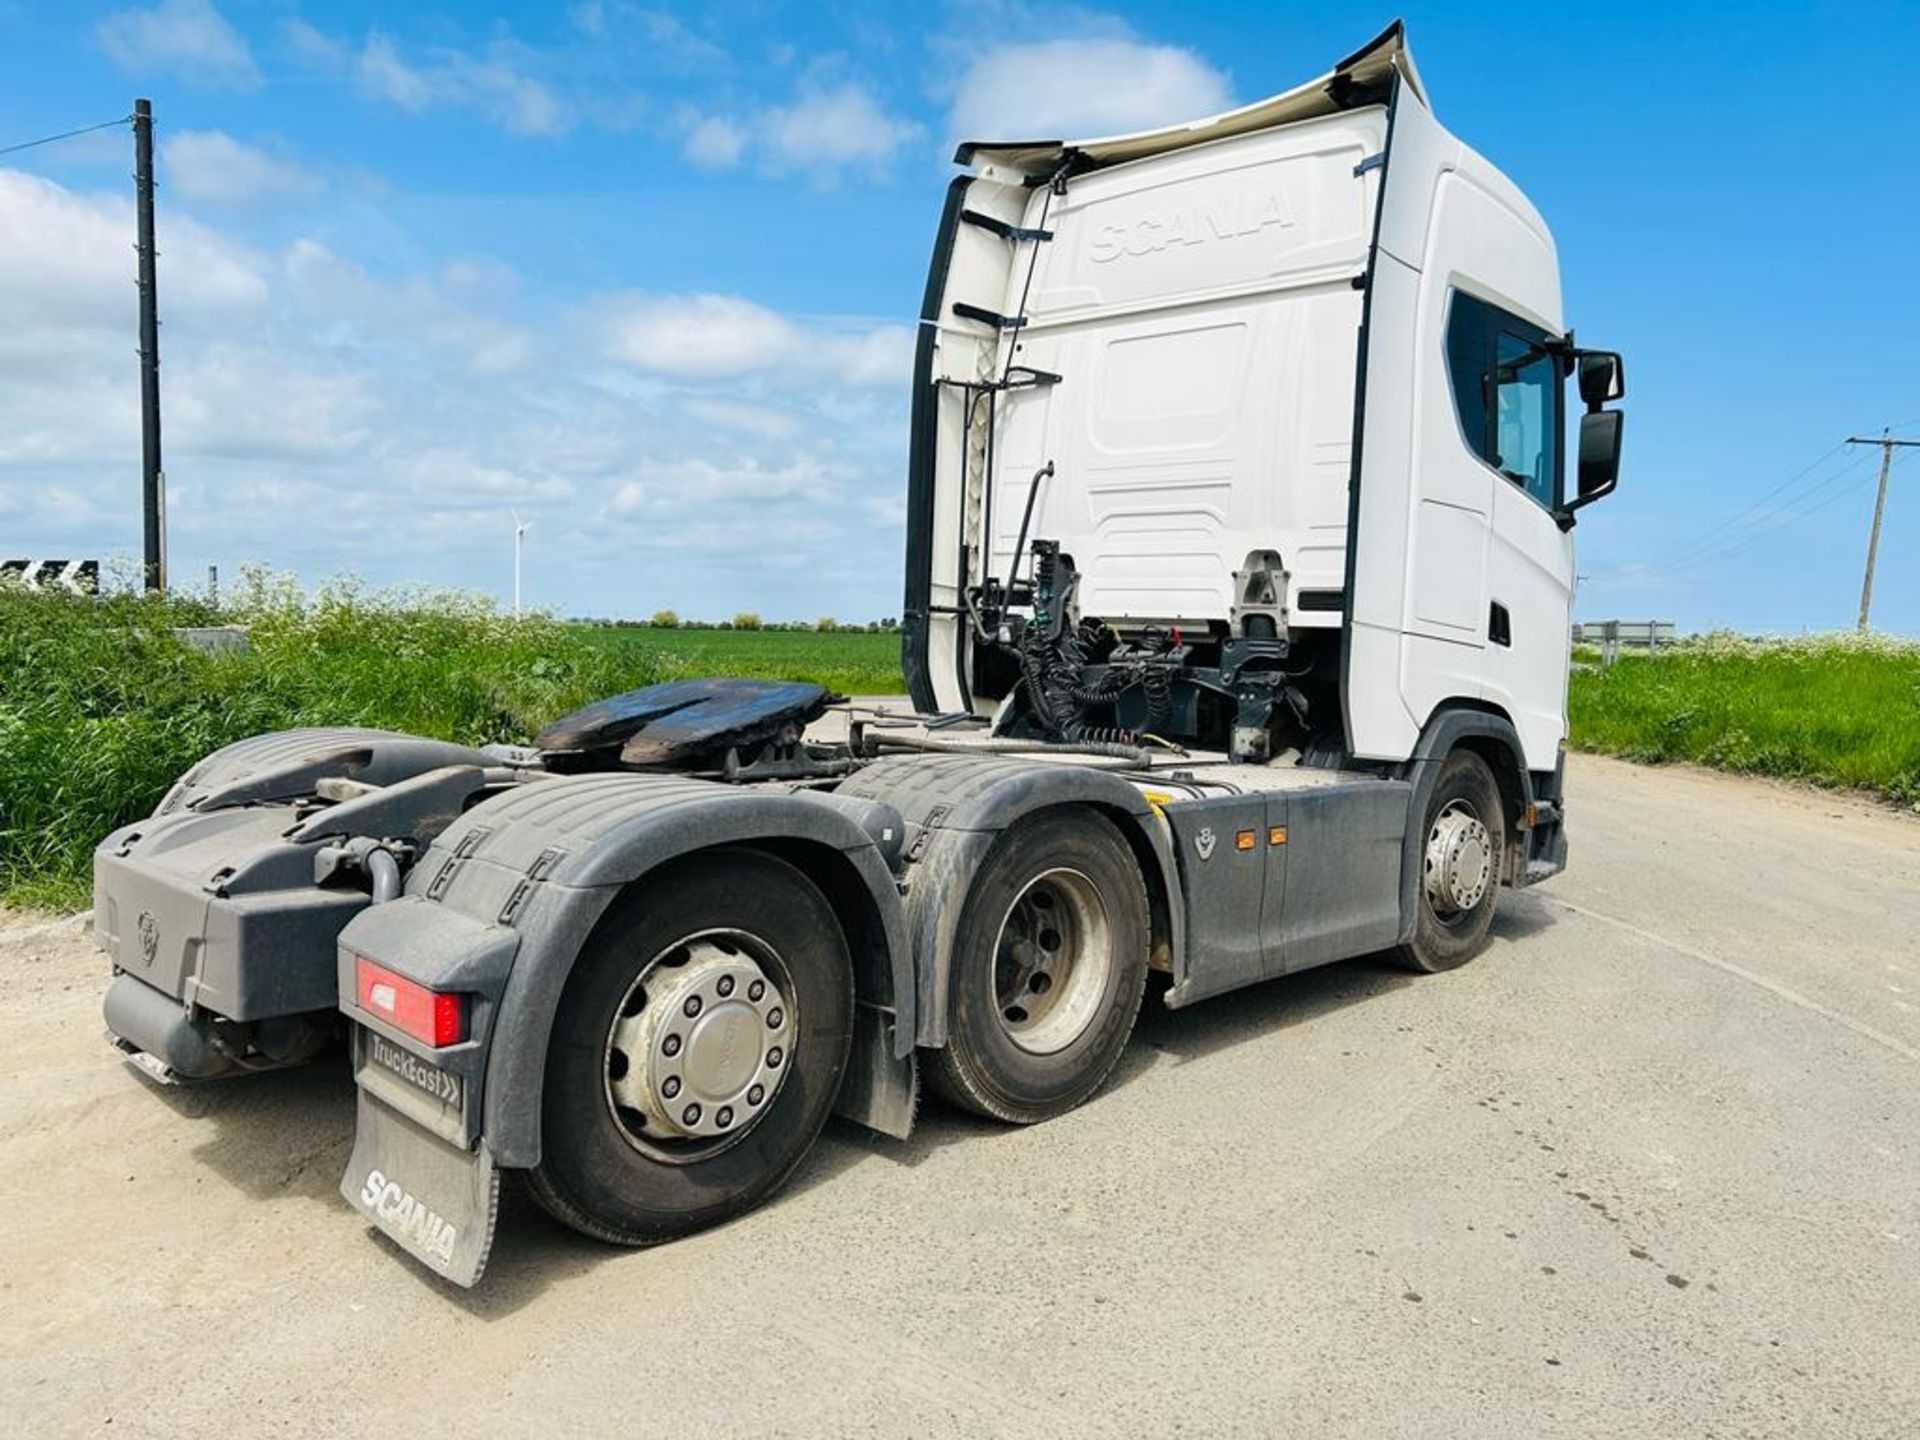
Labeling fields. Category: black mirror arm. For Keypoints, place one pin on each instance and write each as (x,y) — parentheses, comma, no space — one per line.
(1564,516)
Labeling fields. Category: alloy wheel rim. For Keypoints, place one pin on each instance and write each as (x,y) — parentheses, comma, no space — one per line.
(700,1045)
(1053,961)
(1458,863)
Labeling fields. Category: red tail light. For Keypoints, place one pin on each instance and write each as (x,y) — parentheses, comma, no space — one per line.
(438,1017)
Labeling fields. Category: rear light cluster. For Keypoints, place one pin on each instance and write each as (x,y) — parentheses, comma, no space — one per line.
(437,1017)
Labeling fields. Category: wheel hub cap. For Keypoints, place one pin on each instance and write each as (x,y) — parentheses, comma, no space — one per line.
(702,1043)
(1459,860)
(1053,961)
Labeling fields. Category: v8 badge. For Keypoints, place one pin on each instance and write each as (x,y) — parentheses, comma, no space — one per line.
(1203,842)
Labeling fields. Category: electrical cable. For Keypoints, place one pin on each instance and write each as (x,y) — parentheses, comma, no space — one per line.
(1762,511)
(1729,544)
(1752,523)
(65,135)
(1054,182)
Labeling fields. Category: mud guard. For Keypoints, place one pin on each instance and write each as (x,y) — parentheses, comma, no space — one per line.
(955,807)
(436,1201)
(543,862)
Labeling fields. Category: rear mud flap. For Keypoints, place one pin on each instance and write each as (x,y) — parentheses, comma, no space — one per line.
(436,1201)
(881,1090)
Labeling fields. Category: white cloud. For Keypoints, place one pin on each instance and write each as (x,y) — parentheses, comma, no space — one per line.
(707,337)
(213,168)
(252,400)
(500,89)
(826,131)
(382,73)
(323,416)
(496,84)
(669,38)
(880,356)
(694,484)
(339,299)
(761,420)
(1077,89)
(715,143)
(822,134)
(70,260)
(314,47)
(187,35)
(701,336)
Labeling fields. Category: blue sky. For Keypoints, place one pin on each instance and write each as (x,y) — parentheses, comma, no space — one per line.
(648,273)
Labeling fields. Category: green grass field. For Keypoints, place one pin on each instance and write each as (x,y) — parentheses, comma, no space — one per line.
(101,707)
(854,663)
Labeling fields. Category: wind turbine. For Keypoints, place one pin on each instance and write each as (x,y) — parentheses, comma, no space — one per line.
(519,529)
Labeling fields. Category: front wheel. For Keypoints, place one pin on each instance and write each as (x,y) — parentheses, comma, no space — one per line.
(1049,965)
(1463,843)
(696,1052)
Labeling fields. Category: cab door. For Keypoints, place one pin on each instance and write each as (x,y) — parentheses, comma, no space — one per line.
(1530,558)
(1459,576)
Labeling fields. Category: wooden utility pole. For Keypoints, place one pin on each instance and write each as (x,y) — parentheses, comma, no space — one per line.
(153,498)
(1887,445)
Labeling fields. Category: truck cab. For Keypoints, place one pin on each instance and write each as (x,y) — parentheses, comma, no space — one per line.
(1293,375)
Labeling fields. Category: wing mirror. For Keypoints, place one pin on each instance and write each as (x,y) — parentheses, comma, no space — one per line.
(1603,378)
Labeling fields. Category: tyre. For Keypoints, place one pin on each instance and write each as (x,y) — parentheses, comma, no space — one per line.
(1464,838)
(1049,964)
(696,1052)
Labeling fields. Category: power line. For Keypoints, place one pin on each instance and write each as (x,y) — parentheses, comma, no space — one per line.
(1761,512)
(1759,524)
(1755,522)
(1857,474)
(65,135)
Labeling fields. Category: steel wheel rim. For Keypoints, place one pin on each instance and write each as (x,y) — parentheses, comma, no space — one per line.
(1458,863)
(1052,961)
(684,1081)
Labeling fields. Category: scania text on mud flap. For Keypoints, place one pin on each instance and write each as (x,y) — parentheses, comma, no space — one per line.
(1238,571)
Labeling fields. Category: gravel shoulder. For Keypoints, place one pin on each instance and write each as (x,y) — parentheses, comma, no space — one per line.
(1648,1168)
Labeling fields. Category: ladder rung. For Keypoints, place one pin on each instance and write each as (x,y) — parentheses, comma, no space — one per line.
(988,317)
(1001,228)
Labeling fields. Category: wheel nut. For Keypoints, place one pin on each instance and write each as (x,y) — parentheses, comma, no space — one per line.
(756,1094)
(774,1017)
(725,987)
(670,1046)
(773,1058)
(670,1087)
(692,1007)
(723,1117)
(756,989)
(691,1115)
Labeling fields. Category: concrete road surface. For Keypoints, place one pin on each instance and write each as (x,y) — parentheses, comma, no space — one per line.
(1651,1167)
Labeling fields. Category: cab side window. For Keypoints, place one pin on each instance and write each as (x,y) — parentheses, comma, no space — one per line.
(1506,392)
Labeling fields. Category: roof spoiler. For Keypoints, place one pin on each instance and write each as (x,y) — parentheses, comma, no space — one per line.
(1363,78)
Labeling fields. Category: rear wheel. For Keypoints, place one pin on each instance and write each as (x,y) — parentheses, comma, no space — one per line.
(696,1051)
(1049,965)
(1464,843)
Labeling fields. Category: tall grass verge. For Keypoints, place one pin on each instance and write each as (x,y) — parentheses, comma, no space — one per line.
(1838,710)
(102,707)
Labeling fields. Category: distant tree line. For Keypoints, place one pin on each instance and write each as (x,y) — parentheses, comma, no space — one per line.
(750,620)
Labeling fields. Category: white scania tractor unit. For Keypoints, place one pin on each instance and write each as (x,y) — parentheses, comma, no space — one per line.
(1237,597)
